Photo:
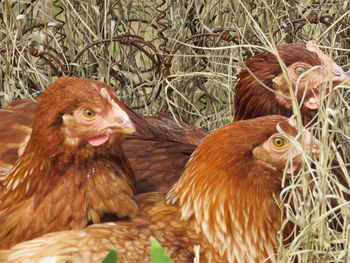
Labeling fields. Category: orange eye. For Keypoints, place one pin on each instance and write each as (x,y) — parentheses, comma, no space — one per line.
(300,70)
(279,142)
(89,114)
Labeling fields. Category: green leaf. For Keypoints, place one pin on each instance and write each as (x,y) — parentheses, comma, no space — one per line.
(177,21)
(112,257)
(121,28)
(233,33)
(158,253)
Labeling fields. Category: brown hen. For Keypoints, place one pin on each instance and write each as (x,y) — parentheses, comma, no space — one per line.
(160,148)
(263,88)
(158,151)
(72,169)
(225,202)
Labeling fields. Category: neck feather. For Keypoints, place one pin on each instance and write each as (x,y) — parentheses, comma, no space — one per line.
(38,198)
(254,100)
(37,174)
(239,217)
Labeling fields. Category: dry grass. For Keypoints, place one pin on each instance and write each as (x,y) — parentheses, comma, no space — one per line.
(162,67)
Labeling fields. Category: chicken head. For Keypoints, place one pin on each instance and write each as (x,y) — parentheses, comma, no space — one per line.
(265,88)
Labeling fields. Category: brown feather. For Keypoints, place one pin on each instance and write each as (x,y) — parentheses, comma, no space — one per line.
(225,202)
(57,184)
(253,99)
(160,148)
(158,151)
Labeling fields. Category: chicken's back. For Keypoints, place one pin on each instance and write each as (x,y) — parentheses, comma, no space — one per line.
(159,150)
(131,238)
(15,129)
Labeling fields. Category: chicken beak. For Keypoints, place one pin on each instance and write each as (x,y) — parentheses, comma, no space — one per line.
(312,144)
(117,122)
(315,152)
(121,123)
(127,127)
(341,79)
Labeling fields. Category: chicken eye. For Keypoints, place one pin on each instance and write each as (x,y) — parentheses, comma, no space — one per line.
(279,142)
(89,114)
(300,70)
